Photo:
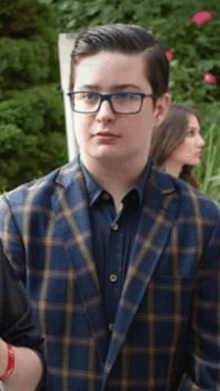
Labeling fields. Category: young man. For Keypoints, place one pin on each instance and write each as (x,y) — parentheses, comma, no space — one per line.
(121,261)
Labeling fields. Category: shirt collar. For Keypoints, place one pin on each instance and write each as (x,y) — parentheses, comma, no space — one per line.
(94,189)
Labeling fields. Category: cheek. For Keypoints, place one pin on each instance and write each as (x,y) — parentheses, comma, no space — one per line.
(185,153)
(81,126)
(179,153)
(187,147)
(183,149)
(138,132)
(144,126)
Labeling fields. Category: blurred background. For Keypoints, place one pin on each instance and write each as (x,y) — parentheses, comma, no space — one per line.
(32,118)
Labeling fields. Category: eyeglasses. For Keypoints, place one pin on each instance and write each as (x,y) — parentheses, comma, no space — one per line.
(87,102)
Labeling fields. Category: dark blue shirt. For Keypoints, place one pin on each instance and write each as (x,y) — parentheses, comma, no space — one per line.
(113,236)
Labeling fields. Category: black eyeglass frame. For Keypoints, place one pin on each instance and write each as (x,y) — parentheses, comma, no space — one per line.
(108,97)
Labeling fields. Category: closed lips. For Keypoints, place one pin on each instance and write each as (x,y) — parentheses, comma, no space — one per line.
(106,134)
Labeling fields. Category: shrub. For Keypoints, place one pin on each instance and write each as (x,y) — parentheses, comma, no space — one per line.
(23,63)
(35,110)
(28,45)
(32,127)
(208,172)
(25,157)
(32,135)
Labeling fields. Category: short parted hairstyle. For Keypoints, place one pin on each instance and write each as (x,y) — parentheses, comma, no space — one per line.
(129,40)
(170,134)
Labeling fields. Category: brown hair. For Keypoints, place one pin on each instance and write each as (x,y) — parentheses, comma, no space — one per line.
(126,39)
(169,135)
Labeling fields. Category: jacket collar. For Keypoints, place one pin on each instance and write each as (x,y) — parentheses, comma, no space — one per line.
(94,188)
(73,172)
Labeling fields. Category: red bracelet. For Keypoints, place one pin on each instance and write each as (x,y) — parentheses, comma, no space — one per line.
(11,364)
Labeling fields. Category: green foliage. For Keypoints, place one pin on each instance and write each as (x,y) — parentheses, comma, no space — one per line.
(28,157)
(32,135)
(25,19)
(23,63)
(28,45)
(36,110)
(32,126)
(208,172)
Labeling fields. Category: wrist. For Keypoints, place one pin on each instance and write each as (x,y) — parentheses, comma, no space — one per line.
(10,364)
(3,356)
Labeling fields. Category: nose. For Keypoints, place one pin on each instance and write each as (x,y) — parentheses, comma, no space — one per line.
(105,112)
(201,141)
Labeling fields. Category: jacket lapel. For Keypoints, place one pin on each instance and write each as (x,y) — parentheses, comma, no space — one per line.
(159,211)
(72,220)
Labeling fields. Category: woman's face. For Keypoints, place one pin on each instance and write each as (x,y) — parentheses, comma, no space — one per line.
(190,150)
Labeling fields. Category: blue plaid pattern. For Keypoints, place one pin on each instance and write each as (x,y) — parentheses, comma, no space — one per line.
(166,335)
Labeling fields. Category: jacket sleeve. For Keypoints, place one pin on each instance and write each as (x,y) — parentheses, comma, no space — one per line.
(203,360)
(13,246)
(16,325)
(15,314)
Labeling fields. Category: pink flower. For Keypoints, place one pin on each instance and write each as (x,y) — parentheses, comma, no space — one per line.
(202,17)
(209,77)
(169,54)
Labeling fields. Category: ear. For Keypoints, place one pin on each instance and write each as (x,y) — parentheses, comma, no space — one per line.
(162,107)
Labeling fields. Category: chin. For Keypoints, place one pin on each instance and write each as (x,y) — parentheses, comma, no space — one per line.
(106,152)
(195,163)
(106,156)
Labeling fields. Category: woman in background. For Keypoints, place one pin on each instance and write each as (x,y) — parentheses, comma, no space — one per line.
(177,143)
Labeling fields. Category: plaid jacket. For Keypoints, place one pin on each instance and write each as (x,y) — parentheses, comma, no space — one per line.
(166,335)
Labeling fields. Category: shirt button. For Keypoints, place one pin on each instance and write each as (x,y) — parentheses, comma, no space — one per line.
(115,227)
(105,196)
(110,326)
(113,278)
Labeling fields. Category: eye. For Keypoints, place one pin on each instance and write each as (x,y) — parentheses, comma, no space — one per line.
(90,97)
(190,133)
(126,96)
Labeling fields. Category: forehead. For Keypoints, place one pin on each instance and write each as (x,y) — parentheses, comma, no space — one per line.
(106,69)
(193,121)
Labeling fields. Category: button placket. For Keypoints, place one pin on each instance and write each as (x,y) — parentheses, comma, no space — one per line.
(110,326)
(105,196)
(115,227)
(113,277)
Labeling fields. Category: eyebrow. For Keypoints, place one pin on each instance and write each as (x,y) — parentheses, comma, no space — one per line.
(115,87)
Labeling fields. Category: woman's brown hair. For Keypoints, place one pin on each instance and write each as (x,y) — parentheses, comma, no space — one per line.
(169,135)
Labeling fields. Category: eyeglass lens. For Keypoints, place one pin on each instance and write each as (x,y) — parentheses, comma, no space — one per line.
(121,102)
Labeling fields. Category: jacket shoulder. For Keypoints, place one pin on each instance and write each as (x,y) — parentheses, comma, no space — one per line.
(40,190)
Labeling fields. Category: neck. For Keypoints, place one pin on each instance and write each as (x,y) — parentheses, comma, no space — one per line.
(173,168)
(115,175)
